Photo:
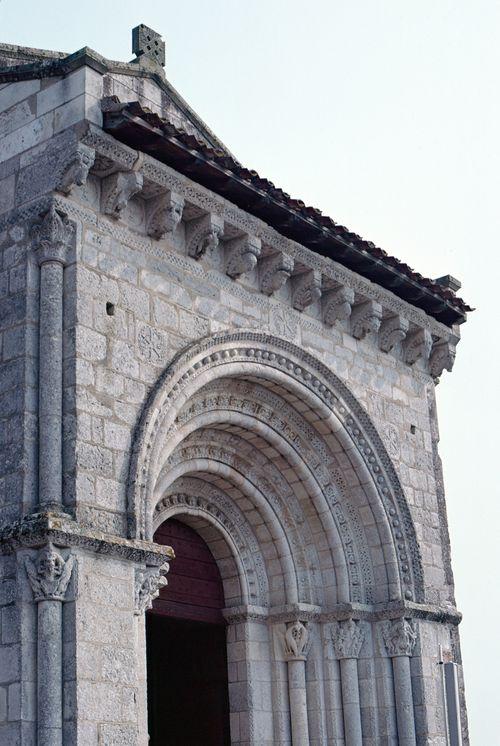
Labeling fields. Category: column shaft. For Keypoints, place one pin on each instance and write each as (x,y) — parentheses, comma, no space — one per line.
(298,702)
(50,384)
(404,700)
(350,701)
(49,673)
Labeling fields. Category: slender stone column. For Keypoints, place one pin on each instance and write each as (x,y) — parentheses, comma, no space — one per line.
(52,238)
(295,641)
(347,639)
(400,637)
(49,576)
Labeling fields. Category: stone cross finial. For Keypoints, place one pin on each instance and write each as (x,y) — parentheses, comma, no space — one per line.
(148,44)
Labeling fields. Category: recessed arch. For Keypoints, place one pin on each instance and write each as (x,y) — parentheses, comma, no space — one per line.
(281,366)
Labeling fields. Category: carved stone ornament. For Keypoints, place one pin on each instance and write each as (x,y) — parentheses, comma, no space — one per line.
(306,289)
(52,236)
(337,304)
(163,214)
(442,358)
(242,254)
(49,574)
(296,639)
(393,330)
(117,189)
(148,583)
(275,271)
(399,637)
(75,170)
(347,638)
(366,318)
(203,235)
(418,345)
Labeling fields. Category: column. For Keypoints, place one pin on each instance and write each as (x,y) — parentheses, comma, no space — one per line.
(49,576)
(52,239)
(400,637)
(347,639)
(295,642)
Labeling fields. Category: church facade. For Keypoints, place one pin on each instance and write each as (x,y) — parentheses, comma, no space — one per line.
(222,515)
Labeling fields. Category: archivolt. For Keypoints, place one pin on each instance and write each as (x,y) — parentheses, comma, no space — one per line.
(300,379)
(196,497)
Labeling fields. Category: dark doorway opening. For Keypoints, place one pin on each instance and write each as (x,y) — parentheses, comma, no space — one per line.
(187,682)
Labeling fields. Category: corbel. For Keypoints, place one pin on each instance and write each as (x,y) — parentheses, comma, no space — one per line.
(203,235)
(417,345)
(242,254)
(306,289)
(163,214)
(392,331)
(366,318)
(337,304)
(275,270)
(117,190)
(75,169)
(442,357)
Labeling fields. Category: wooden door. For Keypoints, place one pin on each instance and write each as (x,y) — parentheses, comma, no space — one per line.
(186,647)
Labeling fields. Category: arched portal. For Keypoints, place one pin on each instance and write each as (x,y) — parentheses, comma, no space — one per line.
(186,646)
(269,457)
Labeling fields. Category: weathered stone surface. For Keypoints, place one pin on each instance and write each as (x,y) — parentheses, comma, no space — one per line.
(278,402)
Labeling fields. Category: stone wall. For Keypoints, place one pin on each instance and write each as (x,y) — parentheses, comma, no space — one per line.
(136,290)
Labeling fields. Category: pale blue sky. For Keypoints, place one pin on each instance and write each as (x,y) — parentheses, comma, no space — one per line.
(386,115)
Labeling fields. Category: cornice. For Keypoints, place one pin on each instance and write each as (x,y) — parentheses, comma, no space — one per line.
(38,529)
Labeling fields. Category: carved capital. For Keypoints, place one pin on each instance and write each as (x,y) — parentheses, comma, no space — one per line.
(275,271)
(442,357)
(52,236)
(417,345)
(295,641)
(337,304)
(49,574)
(148,583)
(366,318)
(399,637)
(203,235)
(75,170)
(117,189)
(163,214)
(393,330)
(306,289)
(242,254)
(347,638)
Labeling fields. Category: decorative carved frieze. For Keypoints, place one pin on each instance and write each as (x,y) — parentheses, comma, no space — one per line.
(242,254)
(52,236)
(117,190)
(347,638)
(337,304)
(417,345)
(442,357)
(49,574)
(366,318)
(148,583)
(399,637)
(295,641)
(75,170)
(393,330)
(163,214)
(306,289)
(275,270)
(203,235)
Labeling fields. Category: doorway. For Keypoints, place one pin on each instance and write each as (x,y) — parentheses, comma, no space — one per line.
(187,679)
